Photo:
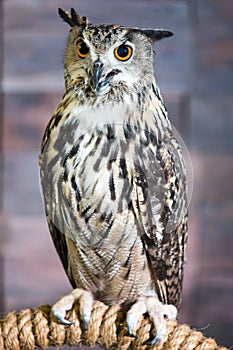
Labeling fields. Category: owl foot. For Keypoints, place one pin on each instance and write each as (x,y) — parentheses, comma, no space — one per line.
(65,304)
(157,312)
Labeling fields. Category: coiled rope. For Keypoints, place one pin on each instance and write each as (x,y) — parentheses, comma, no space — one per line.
(31,328)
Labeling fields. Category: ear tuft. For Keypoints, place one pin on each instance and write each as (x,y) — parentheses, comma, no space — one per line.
(65,16)
(157,34)
(72,18)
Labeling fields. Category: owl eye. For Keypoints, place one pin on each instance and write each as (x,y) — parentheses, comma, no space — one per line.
(123,52)
(82,49)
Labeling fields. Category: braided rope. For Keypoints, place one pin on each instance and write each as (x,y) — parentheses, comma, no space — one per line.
(26,329)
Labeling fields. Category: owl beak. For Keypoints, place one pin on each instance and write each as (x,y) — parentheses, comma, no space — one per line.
(100,80)
(97,75)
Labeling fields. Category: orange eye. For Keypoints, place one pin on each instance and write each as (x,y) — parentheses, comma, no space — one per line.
(82,49)
(123,52)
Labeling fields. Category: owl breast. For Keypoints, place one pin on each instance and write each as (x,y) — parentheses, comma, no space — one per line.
(93,184)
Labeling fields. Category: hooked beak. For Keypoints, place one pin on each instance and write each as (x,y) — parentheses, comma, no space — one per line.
(97,75)
(98,79)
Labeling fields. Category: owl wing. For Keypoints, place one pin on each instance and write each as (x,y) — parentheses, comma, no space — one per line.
(59,240)
(159,203)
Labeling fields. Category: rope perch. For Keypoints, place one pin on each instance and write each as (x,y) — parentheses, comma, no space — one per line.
(26,329)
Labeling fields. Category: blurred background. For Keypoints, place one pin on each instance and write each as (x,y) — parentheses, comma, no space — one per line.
(194,70)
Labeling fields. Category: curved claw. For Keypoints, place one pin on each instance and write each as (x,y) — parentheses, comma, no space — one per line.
(130,330)
(133,335)
(65,304)
(60,313)
(63,320)
(60,308)
(130,326)
(157,312)
(86,318)
(153,341)
(158,337)
(133,315)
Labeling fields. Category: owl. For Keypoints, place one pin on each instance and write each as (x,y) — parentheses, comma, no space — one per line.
(113,178)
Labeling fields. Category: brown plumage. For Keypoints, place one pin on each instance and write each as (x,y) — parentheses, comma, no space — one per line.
(113,176)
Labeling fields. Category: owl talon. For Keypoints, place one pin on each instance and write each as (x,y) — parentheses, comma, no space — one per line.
(157,312)
(153,341)
(85,325)
(65,304)
(62,319)
(85,315)
(130,330)
(133,315)
(157,338)
(133,335)
(60,308)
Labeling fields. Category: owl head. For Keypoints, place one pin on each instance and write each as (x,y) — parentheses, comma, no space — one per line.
(102,58)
